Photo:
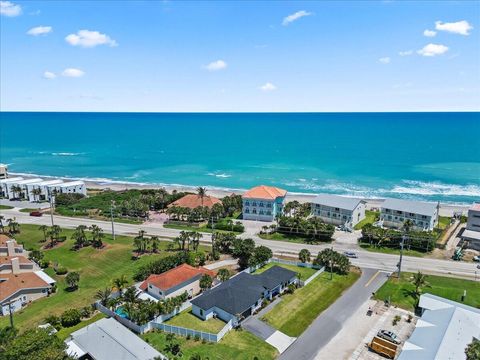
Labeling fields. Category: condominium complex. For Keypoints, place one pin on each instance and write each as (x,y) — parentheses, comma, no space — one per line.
(472,231)
(263,203)
(423,215)
(339,210)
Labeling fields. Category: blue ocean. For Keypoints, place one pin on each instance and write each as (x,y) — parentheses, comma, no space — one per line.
(429,156)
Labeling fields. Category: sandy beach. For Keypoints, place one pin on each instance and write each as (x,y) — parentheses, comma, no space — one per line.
(445,209)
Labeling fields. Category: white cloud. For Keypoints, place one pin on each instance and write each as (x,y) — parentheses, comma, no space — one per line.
(293,17)
(433,50)
(87,38)
(459,27)
(39,30)
(429,33)
(216,65)
(405,53)
(10,9)
(385,60)
(49,75)
(72,72)
(268,87)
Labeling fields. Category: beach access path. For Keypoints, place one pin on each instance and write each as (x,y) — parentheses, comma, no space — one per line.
(366,259)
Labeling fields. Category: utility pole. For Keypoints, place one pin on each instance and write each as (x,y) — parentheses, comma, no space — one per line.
(112,204)
(331,266)
(52,201)
(11,313)
(401,255)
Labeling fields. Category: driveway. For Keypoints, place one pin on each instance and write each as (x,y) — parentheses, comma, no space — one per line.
(331,321)
(258,327)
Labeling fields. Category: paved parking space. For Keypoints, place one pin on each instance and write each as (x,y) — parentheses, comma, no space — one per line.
(280,341)
(258,328)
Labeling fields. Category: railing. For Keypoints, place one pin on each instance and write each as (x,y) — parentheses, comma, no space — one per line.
(178,330)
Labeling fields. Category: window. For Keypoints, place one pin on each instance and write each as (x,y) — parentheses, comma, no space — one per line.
(201,312)
(261,204)
(269,212)
(247,203)
(269,205)
(247,211)
(254,203)
(261,212)
(254,211)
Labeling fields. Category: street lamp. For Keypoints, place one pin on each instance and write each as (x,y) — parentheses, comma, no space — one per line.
(112,204)
(401,255)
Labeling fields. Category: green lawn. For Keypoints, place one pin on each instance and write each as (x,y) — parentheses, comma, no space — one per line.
(400,291)
(5,207)
(305,273)
(443,222)
(370,217)
(236,344)
(63,333)
(187,320)
(387,250)
(289,238)
(297,311)
(97,268)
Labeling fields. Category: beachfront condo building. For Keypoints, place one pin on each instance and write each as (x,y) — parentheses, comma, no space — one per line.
(18,189)
(339,210)
(71,187)
(3,171)
(472,231)
(44,190)
(263,203)
(5,184)
(423,215)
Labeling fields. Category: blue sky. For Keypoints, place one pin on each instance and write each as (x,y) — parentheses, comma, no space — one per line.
(240,56)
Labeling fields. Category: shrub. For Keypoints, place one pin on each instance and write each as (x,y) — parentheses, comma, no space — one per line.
(396,320)
(60,270)
(54,321)
(44,264)
(197,338)
(161,265)
(68,199)
(86,311)
(291,288)
(70,317)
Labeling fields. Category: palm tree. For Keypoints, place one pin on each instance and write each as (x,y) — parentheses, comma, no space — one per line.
(97,235)
(44,229)
(36,192)
(184,238)
(195,236)
(202,192)
(130,295)
(120,282)
(407,226)
(103,295)
(155,242)
(16,189)
(13,226)
(139,241)
(419,280)
(2,228)
(79,236)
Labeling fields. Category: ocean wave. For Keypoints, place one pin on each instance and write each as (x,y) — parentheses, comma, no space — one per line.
(66,154)
(435,188)
(221,175)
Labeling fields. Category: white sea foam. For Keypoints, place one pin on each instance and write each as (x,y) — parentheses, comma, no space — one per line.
(66,154)
(220,175)
(435,188)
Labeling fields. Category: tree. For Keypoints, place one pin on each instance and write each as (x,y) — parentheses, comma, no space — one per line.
(339,263)
(304,255)
(472,350)
(120,282)
(155,243)
(260,255)
(36,255)
(130,295)
(44,229)
(72,280)
(103,296)
(419,280)
(223,274)
(140,241)
(195,237)
(217,211)
(54,234)
(7,334)
(206,282)
(97,236)
(243,250)
(202,192)
(36,192)
(13,226)
(35,344)
(79,236)
(16,189)
(70,317)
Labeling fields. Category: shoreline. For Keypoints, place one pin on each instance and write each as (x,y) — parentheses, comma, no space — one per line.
(446,209)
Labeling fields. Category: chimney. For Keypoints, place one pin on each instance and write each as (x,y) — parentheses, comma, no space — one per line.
(11,247)
(15,265)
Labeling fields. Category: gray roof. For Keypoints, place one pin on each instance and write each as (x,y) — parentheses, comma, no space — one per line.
(337,201)
(416,207)
(443,332)
(107,339)
(243,291)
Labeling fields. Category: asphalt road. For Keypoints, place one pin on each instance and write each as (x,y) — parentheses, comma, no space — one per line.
(330,322)
(366,259)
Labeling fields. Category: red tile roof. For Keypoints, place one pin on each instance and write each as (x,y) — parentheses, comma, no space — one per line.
(11,283)
(264,192)
(175,276)
(8,259)
(475,206)
(3,239)
(193,201)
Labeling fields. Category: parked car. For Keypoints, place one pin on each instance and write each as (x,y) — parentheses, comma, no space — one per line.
(476,258)
(350,254)
(36,213)
(388,335)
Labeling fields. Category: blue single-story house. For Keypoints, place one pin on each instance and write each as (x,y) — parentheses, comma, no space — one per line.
(242,295)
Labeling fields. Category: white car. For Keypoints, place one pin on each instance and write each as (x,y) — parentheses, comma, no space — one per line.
(476,258)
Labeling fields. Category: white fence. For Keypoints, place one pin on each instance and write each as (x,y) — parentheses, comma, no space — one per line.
(139,329)
(306,282)
(165,317)
(178,330)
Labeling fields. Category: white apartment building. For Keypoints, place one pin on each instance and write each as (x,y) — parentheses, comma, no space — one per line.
(4,185)
(339,210)
(70,187)
(22,184)
(394,213)
(472,231)
(44,187)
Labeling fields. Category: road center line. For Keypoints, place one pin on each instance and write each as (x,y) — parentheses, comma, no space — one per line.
(372,278)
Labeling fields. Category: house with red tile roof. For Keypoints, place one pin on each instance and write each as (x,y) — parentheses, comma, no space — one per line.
(16,264)
(9,246)
(175,282)
(193,201)
(263,203)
